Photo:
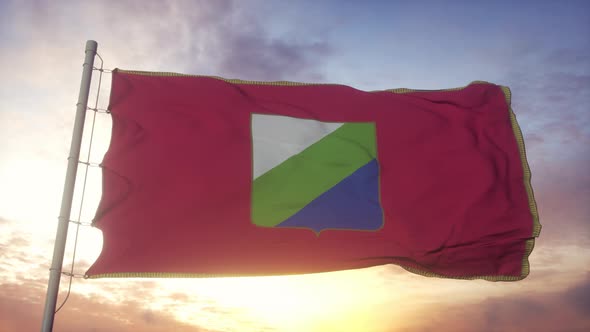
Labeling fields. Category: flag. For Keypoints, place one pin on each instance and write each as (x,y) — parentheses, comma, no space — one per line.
(206,176)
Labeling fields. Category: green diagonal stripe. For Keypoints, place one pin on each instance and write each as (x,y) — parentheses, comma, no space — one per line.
(290,186)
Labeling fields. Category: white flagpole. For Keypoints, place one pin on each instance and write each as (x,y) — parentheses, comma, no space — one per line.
(68,192)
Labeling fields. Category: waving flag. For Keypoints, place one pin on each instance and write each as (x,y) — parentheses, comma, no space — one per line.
(213,177)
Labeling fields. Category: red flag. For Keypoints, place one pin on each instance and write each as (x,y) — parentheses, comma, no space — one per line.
(194,184)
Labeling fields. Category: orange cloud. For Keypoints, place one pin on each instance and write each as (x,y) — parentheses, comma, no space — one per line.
(568,310)
(21,310)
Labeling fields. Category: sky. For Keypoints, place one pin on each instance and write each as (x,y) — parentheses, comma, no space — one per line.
(540,49)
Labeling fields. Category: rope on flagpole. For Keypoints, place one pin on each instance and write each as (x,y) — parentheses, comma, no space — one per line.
(102,70)
(99,110)
(77,222)
(87,165)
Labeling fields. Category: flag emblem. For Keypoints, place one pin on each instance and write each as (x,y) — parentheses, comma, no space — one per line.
(315,175)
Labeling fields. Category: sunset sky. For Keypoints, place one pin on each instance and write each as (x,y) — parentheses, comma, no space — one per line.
(540,49)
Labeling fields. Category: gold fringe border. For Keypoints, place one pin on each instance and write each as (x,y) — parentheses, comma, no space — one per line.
(275,83)
(176,275)
(229,80)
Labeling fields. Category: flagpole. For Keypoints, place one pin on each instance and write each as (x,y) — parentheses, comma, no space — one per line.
(68,192)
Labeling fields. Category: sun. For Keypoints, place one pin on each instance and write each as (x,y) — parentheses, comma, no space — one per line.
(336,301)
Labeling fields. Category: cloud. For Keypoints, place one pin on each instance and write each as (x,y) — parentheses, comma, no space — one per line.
(181,297)
(579,297)
(21,309)
(15,250)
(552,86)
(224,38)
(575,58)
(538,311)
(214,37)
(562,190)
(119,305)
(264,59)
(550,89)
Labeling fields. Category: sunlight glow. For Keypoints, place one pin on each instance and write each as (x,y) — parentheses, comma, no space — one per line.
(318,302)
